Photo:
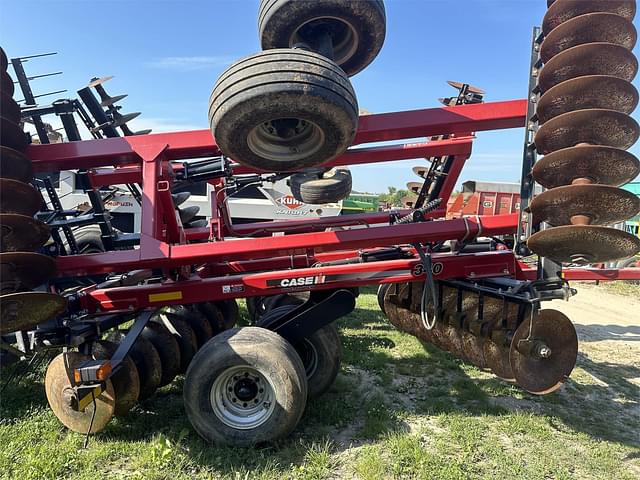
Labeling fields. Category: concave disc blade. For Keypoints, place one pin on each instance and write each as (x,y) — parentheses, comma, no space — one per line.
(565,10)
(21,233)
(593,91)
(188,213)
(414,187)
(125,380)
(24,270)
(589,28)
(472,348)
(600,164)
(11,135)
(497,360)
(25,310)
(589,59)
(472,89)
(420,171)
(594,126)
(544,375)
(9,108)
(18,197)
(4,61)
(603,204)
(99,81)
(59,383)
(584,244)
(6,83)
(14,165)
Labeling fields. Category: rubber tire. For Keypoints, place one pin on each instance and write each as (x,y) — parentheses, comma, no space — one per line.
(213,315)
(255,308)
(168,349)
(329,187)
(629,263)
(230,312)
(274,357)
(382,291)
(328,348)
(278,20)
(89,239)
(147,361)
(185,337)
(283,83)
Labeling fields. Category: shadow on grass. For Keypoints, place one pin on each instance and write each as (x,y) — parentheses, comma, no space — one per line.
(597,333)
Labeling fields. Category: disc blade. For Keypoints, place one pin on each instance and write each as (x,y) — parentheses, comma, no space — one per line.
(593,91)
(6,84)
(561,12)
(142,132)
(420,171)
(125,380)
(107,102)
(584,244)
(11,135)
(99,81)
(123,119)
(9,108)
(497,359)
(600,164)
(4,62)
(594,126)
(24,271)
(19,233)
(589,28)
(408,202)
(473,349)
(542,375)
(414,187)
(59,383)
(472,89)
(14,165)
(18,197)
(202,223)
(603,205)
(188,213)
(25,310)
(179,198)
(589,59)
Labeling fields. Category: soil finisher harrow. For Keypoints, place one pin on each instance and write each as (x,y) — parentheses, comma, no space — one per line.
(128,321)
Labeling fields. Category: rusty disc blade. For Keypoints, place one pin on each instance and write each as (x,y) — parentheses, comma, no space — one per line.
(452,340)
(473,349)
(497,360)
(595,126)
(542,375)
(472,89)
(420,171)
(24,271)
(565,10)
(603,205)
(589,59)
(9,108)
(414,187)
(589,28)
(25,310)
(19,233)
(11,135)
(99,81)
(18,197)
(14,165)
(59,383)
(584,244)
(6,83)
(593,91)
(4,62)
(408,202)
(599,164)
(125,380)
(147,362)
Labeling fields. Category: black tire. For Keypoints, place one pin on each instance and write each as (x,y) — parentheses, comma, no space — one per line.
(629,263)
(230,312)
(147,361)
(320,352)
(358,28)
(255,308)
(382,291)
(89,239)
(271,360)
(126,380)
(213,315)
(317,188)
(283,111)
(184,335)
(168,349)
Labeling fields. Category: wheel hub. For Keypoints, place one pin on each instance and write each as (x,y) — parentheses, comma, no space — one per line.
(285,139)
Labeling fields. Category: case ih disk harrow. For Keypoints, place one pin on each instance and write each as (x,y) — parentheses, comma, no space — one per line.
(480,301)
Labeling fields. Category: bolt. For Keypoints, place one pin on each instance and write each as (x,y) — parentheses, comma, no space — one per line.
(234,400)
(266,404)
(543,351)
(261,390)
(230,389)
(255,401)
(244,404)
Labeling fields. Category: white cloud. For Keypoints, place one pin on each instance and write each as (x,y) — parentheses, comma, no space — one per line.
(192,63)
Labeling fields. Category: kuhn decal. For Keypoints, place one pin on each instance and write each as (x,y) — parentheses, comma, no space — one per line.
(290,202)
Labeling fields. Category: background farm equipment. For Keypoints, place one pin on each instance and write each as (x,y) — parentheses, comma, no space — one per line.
(163,301)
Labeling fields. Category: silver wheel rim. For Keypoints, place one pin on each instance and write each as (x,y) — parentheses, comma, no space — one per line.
(345,44)
(242,397)
(285,139)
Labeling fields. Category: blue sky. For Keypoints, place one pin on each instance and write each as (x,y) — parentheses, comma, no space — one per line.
(167,54)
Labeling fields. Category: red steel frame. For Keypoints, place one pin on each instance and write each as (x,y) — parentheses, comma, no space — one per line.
(265,264)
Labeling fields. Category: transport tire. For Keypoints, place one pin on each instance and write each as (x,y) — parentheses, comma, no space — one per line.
(89,239)
(629,263)
(320,353)
(319,187)
(283,111)
(245,386)
(184,335)
(255,308)
(230,312)
(357,28)
(168,349)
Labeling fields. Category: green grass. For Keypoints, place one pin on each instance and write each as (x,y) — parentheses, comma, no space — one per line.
(399,409)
